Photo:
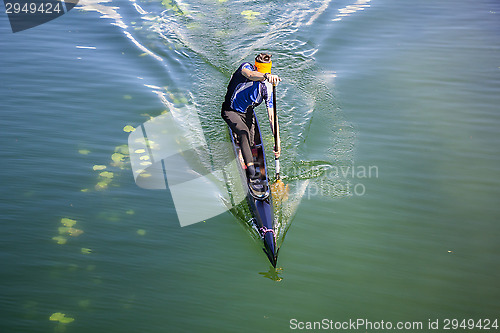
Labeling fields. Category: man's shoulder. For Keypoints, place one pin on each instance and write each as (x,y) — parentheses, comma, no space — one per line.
(246,65)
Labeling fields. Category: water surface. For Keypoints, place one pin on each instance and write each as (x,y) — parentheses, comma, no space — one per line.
(407,88)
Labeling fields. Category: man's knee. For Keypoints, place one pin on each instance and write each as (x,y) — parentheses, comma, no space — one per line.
(244,134)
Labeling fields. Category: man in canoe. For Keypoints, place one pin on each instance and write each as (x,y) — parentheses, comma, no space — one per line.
(249,86)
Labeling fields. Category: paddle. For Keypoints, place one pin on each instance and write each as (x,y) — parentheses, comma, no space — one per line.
(275,126)
(278,188)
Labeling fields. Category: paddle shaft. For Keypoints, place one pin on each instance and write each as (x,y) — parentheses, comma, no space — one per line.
(275,118)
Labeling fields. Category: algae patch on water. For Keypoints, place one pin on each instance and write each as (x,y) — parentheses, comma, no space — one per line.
(84,151)
(250,14)
(60,240)
(67,222)
(117,157)
(66,229)
(128,128)
(85,250)
(61,317)
(74,232)
(106,174)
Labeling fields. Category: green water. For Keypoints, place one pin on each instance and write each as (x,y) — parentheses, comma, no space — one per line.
(405,94)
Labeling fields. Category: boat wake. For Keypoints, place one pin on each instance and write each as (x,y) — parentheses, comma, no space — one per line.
(205,42)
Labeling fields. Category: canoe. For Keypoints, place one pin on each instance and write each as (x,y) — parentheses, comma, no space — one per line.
(260,205)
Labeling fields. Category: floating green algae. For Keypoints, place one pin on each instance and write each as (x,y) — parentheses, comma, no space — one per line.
(67,222)
(120,156)
(74,232)
(84,151)
(106,177)
(66,229)
(61,317)
(102,185)
(123,149)
(107,174)
(60,240)
(128,129)
(153,145)
(85,250)
(117,157)
(250,14)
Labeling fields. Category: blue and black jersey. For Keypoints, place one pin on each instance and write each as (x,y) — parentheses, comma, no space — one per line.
(243,93)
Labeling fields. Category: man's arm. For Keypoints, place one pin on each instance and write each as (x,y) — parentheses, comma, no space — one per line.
(273,79)
(253,75)
(258,76)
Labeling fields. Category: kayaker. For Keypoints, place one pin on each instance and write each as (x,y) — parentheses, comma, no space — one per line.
(250,85)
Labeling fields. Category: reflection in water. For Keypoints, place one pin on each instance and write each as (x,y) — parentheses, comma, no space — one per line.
(101,7)
(111,12)
(273,274)
(350,9)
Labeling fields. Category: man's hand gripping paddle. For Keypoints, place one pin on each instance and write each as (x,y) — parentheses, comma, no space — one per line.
(278,188)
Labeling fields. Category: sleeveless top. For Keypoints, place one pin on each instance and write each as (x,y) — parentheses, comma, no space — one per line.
(243,93)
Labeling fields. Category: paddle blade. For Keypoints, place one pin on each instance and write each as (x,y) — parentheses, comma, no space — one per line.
(280,190)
